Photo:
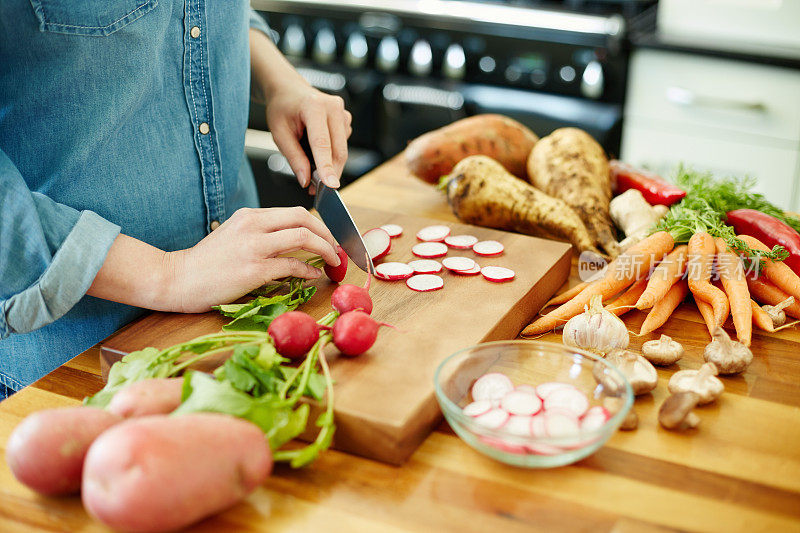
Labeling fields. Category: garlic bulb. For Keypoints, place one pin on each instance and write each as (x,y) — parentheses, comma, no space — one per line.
(596,329)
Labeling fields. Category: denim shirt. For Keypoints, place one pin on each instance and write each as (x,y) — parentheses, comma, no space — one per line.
(115,116)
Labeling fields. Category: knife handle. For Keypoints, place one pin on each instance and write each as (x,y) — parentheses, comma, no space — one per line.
(306,146)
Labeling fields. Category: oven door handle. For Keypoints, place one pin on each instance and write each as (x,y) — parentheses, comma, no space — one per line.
(422,95)
(687,98)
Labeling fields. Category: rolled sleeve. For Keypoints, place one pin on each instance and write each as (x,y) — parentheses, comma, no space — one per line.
(257,22)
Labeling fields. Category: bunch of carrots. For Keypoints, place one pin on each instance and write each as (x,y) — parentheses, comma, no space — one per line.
(678,258)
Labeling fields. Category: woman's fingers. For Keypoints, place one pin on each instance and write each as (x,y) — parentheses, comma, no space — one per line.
(278,218)
(315,117)
(338,127)
(282,267)
(295,239)
(290,147)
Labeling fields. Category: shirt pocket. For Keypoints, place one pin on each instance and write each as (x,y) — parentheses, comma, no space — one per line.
(89,17)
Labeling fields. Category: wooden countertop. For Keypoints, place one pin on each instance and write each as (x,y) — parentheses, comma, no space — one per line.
(740,471)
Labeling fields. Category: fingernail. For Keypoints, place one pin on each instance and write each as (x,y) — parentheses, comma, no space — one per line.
(332,181)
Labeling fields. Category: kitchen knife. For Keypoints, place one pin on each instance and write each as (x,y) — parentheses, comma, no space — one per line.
(336,217)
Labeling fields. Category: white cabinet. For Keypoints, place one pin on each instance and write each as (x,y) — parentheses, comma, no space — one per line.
(727,116)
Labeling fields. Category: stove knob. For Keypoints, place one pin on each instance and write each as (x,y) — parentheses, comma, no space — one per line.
(294,41)
(324,46)
(420,61)
(387,55)
(355,50)
(455,62)
(592,82)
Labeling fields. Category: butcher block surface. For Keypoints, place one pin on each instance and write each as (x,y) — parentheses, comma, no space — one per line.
(384,402)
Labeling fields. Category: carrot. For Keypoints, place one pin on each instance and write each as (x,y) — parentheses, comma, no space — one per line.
(625,302)
(731,274)
(778,273)
(708,315)
(761,318)
(664,307)
(701,256)
(767,293)
(568,294)
(635,263)
(669,271)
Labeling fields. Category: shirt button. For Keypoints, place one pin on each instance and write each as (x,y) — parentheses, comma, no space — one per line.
(195,32)
(204,129)
(214,224)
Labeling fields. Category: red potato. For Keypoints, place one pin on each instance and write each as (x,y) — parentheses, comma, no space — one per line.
(160,473)
(337,273)
(46,450)
(148,397)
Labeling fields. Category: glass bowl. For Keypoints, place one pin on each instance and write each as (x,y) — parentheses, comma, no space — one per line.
(532,363)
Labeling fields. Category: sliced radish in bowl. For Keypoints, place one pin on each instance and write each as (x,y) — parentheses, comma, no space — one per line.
(492,386)
(460,242)
(594,418)
(393,271)
(488,248)
(521,403)
(569,399)
(478,408)
(519,426)
(458,264)
(497,274)
(428,250)
(425,266)
(394,230)
(543,390)
(425,282)
(433,233)
(378,243)
(492,419)
(559,424)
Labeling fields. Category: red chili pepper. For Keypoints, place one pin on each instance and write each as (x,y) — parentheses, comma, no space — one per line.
(654,189)
(768,230)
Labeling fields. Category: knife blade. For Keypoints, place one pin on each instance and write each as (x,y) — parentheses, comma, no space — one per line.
(336,217)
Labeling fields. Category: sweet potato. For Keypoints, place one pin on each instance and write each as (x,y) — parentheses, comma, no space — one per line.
(434,154)
(157,473)
(482,192)
(148,397)
(47,449)
(570,165)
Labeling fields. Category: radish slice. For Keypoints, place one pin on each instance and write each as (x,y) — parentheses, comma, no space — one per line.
(428,250)
(503,445)
(460,242)
(378,243)
(492,419)
(594,418)
(477,408)
(425,266)
(560,424)
(497,274)
(521,403)
(425,283)
(488,248)
(544,390)
(543,449)
(471,272)
(458,264)
(569,399)
(528,389)
(492,386)
(519,426)
(393,271)
(433,233)
(394,230)
(538,426)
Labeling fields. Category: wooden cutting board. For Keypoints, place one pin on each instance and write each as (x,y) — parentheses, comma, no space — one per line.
(384,402)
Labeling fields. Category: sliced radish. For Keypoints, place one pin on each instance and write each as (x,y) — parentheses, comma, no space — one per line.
(529,389)
(425,283)
(425,266)
(428,250)
(492,386)
(519,426)
(492,419)
(538,426)
(433,233)
(521,403)
(594,418)
(394,230)
(570,399)
(458,264)
(460,242)
(543,390)
(497,274)
(560,424)
(471,272)
(503,445)
(378,243)
(477,408)
(393,271)
(488,248)
(543,449)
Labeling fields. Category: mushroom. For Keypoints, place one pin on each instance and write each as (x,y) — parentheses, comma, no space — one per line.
(776,312)
(613,404)
(664,351)
(638,370)
(676,411)
(731,357)
(703,382)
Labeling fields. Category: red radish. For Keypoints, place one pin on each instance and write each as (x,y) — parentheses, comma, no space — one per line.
(425,266)
(428,250)
(350,297)
(294,333)
(560,424)
(497,274)
(594,418)
(519,426)
(337,273)
(433,233)
(492,419)
(492,386)
(393,271)
(543,390)
(477,408)
(354,332)
(378,243)
(569,399)
(460,242)
(488,248)
(471,272)
(521,403)
(458,264)
(425,283)
(393,230)
(529,389)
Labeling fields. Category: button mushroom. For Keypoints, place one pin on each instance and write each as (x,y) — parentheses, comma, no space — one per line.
(637,370)
(776,312)
(703,382)
(613,404)
(731,357)
(664,351)
(676,411)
